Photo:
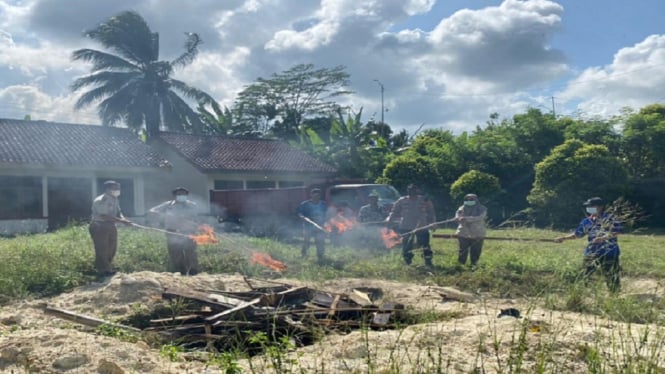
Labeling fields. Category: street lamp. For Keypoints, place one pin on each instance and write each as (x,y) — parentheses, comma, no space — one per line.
(382,89)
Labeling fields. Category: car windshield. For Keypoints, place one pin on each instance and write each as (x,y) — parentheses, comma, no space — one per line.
(385,192)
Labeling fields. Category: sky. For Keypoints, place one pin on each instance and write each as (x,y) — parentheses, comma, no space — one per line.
(445,64)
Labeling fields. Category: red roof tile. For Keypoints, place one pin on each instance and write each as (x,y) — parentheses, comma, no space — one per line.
(64,144)
(219,153)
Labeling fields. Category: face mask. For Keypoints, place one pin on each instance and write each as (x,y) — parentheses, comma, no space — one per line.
(469,202)
(591,210)
(181,198)
(115,193)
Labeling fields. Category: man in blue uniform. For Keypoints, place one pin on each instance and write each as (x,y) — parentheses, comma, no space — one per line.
(602,250)
(315,210)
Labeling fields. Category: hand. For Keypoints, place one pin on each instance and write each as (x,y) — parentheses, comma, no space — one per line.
(126,222)
(598,240)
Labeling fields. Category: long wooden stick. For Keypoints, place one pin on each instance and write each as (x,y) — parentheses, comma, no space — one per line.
(427,227)
(453,236)
(158,230)
(85,320)
(316,225)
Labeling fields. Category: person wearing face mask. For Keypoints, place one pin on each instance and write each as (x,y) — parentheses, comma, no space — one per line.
(470,232)
(179,216)
(105,214)
(602,250)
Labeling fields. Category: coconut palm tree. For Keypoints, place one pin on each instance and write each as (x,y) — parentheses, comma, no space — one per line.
(132,85)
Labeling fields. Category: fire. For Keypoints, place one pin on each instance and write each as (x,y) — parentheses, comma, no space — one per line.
(390,238)
(264,259)
(206,236)
(340,223)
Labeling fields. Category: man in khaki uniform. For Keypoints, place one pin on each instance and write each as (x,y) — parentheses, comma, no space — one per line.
(470,230)
(179,216)
(105,214)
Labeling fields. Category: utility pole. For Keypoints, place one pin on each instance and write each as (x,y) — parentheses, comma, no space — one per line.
(553,111)
(382,89)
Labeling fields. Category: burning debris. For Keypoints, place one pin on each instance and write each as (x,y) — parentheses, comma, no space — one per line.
(206,235)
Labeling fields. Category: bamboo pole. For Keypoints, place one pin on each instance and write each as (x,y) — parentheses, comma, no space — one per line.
(453,236)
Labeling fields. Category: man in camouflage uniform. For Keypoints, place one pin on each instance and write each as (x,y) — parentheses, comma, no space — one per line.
(411,212)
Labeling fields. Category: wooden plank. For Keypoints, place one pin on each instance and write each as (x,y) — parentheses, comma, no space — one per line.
(177,319)
(85,320)
(333,305)
(202,298)
(232,311)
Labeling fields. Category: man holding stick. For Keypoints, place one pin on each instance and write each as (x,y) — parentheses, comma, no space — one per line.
(470,230)
(602,250)
(105,214)
(410,213)
(179,217)
(313,213)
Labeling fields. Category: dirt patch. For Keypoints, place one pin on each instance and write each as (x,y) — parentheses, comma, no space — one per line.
(457,333)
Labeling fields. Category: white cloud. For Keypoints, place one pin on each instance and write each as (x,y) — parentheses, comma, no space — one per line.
(471,64)
(635,78)
(21,100)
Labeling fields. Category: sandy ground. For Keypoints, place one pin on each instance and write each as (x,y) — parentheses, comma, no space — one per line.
(470,337)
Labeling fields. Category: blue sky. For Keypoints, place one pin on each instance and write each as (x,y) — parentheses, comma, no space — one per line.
(444,64)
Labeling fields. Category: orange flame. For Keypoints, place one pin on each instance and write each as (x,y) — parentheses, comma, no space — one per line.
(390,237)
(264,259)
(340,223)
(207,235)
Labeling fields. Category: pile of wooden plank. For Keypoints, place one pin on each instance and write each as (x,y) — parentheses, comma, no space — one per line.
(226,320)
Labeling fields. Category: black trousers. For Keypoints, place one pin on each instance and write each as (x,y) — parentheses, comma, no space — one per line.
(609,266)
(419,238)
(466,246)
(105,238)
(182,255)
(319,241)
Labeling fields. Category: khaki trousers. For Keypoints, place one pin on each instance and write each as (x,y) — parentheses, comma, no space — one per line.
(105,239)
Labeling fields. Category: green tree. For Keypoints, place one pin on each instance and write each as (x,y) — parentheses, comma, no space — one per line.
(132,85)
(278,105)
(486,186)
(643,143)
(572,173)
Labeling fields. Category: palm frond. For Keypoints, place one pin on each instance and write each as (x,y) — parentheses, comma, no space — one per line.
(193,93)
(181,115)
(128,34)
(103,60)
(191,50)
(108,84)
(112,78)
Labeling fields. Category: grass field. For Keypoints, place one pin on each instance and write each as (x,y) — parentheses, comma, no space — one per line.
(539,275)
(46,264)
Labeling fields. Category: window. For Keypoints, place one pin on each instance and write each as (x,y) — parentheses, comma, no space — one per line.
(253,185)
(20,197)
(287,184)
(221,184)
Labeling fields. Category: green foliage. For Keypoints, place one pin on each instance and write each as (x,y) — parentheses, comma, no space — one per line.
(482,184)
(132,85)
(643,142)
(572,173)
(278,105)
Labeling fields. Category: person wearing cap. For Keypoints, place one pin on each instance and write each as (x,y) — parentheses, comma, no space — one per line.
(602,250)
(371,212)
(409,213)
(313,209)
(470,231)
(105,214)
(179,217)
